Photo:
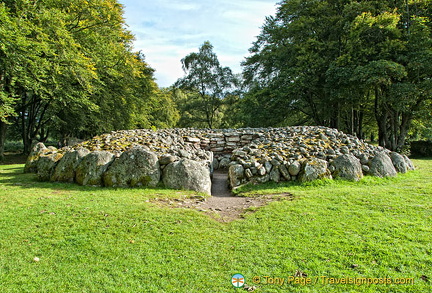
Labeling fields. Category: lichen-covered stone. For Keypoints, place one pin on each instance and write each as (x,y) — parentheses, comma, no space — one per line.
(187,174)
(382,166)
(91,168)
(46,165)
(314,169)
(235,175)
(284,172)
(347,167)
(399,162)
(167,159)
(135,167)
(65,169)
(32,159)
(295,168)
(275,175)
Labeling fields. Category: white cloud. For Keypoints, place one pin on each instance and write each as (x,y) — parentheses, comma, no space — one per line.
(168,30)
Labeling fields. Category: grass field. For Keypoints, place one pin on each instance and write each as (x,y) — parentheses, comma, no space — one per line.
(116,240)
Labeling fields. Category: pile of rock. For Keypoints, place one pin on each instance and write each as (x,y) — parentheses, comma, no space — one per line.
(185,158)
(310,153)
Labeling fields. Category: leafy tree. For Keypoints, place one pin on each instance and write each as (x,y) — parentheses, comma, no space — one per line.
(68,69)
(206,84)
(341,63)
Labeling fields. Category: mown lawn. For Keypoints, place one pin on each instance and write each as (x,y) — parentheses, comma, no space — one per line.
(117,240)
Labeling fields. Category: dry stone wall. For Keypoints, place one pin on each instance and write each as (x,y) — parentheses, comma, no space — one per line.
(186,158)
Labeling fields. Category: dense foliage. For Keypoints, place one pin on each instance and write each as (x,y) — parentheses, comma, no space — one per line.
(204,88)
(68,69)
(343,64)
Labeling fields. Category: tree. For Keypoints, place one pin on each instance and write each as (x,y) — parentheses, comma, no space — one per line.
(339,63)
(68,69)
(206,84)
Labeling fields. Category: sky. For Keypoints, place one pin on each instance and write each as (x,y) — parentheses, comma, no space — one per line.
(168,30)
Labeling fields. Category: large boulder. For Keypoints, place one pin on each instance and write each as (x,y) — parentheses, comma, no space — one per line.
(90,170)
(382,166)
(314,169)
(65,170)
(347,167)
(399,162)
(187,174)
(135,167)
(295,168)
(235,175)
(32,159)
(409,163)
(46,165)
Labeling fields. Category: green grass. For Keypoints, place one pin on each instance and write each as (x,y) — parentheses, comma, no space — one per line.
(115,240)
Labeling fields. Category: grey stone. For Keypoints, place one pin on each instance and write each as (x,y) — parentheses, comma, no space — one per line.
(135,167)
(399,162)
(295,168)
(284,172)
(409,163)
(262,179)
(167,159)
(91,168)
(235,175)
(275,175)
(365,169)
(268,166)
(215,164)
(344,150)
(382,166)
(315,169)
(32,159)
(364,159)
(347,167)
(65,169)
(275,163)
(187,174)
(224,163)
(46,165)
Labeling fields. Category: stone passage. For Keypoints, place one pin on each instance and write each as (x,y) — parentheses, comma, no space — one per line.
(220,185)
(188,158)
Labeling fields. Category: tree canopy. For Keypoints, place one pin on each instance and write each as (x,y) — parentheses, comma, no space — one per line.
(206,84)
(68,69)
(342,64)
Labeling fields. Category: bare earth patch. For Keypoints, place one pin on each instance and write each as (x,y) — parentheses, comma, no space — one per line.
(225,209)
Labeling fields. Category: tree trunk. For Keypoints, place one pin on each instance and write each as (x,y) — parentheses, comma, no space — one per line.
(3,128)
(403,130)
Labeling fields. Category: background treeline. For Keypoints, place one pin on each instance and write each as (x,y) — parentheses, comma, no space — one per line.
(68,69)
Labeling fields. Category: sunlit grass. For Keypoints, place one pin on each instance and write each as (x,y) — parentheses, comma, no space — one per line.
(116,240)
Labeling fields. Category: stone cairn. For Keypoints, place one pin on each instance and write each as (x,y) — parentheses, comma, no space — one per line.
(186,158)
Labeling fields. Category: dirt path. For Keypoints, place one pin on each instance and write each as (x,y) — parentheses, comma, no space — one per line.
(222,205)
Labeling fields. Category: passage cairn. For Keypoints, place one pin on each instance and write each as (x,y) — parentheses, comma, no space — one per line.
(186,158)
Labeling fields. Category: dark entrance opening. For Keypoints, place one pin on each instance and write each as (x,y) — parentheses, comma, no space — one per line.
(220,186)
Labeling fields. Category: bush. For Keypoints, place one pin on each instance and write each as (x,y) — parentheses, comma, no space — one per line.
(421,148)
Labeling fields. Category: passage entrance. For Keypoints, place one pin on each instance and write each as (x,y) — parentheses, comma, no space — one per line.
(220,184)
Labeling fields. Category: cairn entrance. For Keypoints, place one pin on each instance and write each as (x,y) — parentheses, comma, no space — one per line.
(220,186)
